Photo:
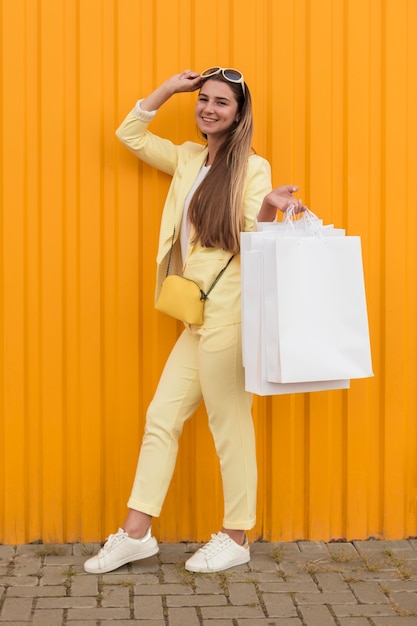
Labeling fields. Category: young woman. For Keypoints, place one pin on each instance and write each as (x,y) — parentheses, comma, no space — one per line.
(218,189)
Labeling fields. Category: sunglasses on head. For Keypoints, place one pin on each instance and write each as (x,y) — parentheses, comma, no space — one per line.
(230,74)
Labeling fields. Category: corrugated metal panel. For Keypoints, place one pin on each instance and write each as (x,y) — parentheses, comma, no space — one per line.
(334,84)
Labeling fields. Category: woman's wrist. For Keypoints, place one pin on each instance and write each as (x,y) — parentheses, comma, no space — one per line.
(158,97)
(268,212)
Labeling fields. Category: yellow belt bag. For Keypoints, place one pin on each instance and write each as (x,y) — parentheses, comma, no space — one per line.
(182,297)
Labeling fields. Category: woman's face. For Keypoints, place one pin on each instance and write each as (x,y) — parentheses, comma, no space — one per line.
(216,109)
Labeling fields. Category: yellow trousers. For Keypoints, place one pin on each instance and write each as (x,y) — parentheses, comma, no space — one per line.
(205,364)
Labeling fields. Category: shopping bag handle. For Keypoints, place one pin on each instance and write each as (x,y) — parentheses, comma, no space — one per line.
(310,219)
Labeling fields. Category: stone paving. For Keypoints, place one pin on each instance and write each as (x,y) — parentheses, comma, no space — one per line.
(362,583)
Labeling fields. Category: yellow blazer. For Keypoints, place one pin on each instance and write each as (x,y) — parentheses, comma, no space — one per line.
(183,162)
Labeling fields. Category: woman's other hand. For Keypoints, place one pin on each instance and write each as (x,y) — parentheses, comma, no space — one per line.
(279,199)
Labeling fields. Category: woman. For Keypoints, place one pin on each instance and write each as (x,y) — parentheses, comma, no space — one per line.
(217,190)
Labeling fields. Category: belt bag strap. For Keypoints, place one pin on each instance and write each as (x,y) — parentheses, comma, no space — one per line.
(204,296)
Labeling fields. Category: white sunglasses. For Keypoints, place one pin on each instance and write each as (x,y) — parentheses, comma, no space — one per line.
(230,74)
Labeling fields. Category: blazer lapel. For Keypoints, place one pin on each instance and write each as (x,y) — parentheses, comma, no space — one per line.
(193,168)
(189,176)
(174,206)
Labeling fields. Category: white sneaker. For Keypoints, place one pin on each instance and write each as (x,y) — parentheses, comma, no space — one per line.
(220,553)
(120,549)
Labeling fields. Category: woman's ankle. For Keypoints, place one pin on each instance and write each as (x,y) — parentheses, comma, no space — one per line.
(239,536)
(136,524)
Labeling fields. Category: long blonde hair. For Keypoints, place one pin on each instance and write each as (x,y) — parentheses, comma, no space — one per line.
(216,208)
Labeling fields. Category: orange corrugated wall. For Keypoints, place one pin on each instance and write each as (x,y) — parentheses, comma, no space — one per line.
(334,84)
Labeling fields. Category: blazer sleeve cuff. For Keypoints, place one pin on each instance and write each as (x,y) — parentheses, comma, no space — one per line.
(140,114)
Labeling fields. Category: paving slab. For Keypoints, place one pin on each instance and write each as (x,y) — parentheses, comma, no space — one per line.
(359,583)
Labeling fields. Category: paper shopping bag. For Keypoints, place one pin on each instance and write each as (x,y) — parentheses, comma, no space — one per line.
(321,327)
(254,338)
(270,297)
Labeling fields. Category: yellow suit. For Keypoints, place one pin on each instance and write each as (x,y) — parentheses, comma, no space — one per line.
(183,163)
(206,362)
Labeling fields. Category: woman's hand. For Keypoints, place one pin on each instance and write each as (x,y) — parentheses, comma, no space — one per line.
(279,199)
(179,83)
(186,81)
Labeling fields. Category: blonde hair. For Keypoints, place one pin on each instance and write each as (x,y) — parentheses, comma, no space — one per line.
(216,208)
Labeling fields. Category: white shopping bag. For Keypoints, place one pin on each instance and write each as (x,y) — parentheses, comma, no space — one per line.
(253,327)
(302,228)
(321,328)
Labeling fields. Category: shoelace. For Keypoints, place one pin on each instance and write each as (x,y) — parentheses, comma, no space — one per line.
(111,541)
(216,543)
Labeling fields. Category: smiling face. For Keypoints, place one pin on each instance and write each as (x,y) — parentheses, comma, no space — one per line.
(216,109)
